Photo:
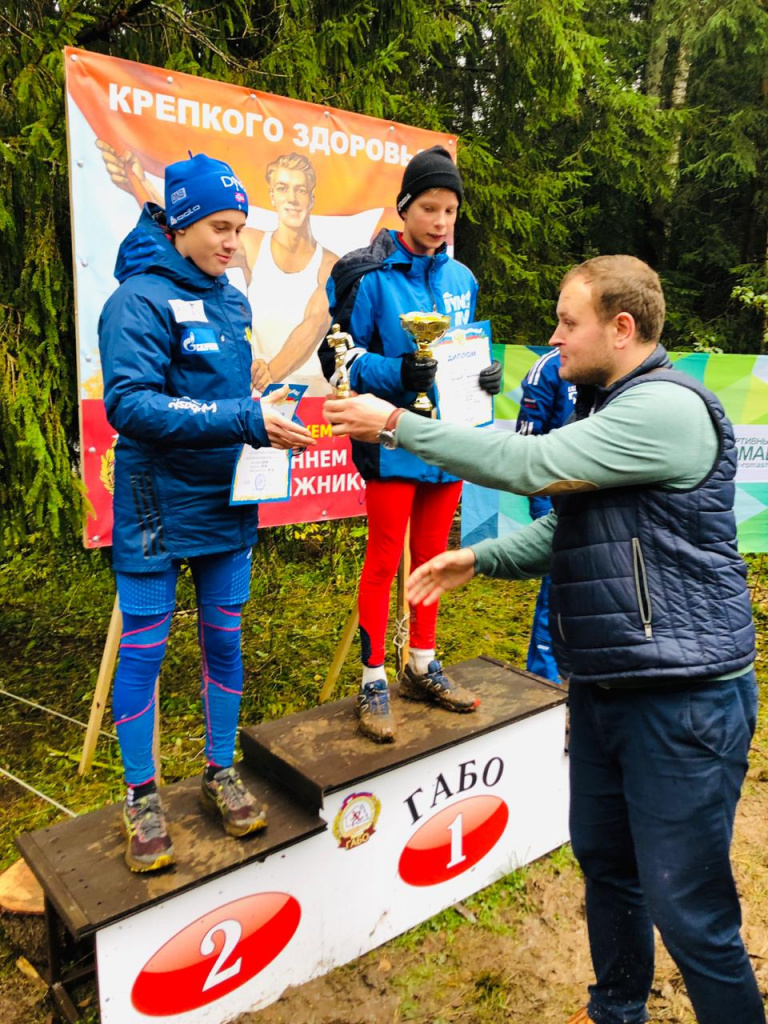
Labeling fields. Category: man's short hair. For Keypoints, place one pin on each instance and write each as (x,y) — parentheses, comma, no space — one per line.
(625,284)
(292,162)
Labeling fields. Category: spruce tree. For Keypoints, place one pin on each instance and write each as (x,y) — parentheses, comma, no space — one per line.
(586,126)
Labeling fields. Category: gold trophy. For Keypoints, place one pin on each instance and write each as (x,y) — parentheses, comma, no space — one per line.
(424,328)
(341,343)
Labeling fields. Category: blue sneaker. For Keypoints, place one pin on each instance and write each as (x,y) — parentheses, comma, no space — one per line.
(375,713)
(436,686)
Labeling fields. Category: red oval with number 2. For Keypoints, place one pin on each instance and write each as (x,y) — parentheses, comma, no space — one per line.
(216,954)
(454,840)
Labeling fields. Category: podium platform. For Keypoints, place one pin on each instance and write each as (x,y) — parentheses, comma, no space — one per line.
(80,865)
(364,841)
(320,751)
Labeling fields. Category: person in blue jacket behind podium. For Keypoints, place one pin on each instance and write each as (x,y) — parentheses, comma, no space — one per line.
(547,403)
(175,349)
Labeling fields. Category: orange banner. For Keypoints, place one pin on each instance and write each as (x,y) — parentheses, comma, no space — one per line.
(161,115)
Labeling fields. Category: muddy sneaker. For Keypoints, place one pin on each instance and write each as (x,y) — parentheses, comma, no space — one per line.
(225,797)
(375,713)
(434,685)
(149,846)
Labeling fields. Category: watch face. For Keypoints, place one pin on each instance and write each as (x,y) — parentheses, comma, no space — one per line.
(387,439)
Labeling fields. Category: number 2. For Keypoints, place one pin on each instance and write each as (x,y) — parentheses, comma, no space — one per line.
(232,931)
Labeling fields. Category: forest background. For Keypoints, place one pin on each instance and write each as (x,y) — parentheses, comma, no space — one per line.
(586,126)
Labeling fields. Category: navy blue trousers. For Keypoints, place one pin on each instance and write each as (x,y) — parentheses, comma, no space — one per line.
(655,779)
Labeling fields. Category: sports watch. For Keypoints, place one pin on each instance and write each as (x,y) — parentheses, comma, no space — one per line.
(386,436)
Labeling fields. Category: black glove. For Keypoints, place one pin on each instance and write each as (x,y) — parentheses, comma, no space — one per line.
(417,375)
(490,378)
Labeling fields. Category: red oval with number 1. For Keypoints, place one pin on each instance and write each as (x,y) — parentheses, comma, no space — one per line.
(454,840)
(216,954)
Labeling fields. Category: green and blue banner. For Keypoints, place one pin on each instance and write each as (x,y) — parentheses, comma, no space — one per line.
(741,384)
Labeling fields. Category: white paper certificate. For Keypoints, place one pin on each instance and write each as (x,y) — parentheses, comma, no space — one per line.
(264,474)
(461,354)
(261,474)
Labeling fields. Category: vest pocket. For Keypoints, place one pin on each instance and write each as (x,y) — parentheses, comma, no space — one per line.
(641,587)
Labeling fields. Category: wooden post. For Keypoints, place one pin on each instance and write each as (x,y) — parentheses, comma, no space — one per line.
(403,612)
(341,653)
(100,694)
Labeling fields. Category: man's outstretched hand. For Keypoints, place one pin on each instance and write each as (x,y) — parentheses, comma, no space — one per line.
(361,417)
(448,571)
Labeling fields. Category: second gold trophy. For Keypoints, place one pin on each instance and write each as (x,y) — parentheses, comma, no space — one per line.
(425,329)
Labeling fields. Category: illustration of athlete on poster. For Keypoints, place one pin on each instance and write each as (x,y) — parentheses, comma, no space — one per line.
(284,271)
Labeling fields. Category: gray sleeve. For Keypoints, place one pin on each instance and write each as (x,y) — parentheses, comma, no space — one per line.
(521,555)
(655,433)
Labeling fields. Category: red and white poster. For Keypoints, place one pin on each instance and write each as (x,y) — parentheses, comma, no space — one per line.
(320,183)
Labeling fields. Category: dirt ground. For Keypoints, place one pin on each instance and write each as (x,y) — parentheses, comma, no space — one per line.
(525,959)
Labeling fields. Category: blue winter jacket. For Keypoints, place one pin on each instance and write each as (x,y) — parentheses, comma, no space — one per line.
(367,291)
(547,403)
(176,359)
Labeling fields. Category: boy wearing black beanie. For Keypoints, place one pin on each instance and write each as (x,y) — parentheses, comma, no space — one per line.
(431,169)
(402,272)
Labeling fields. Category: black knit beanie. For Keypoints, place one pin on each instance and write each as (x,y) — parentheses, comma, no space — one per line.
(433,168)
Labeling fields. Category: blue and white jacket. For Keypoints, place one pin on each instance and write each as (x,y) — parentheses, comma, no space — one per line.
(547,403)
(367,291)
(176,358)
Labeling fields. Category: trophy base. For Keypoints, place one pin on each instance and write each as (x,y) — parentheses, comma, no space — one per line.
(422,406)
(429,414)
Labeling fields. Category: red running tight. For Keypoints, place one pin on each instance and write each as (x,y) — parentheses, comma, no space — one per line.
(391,503)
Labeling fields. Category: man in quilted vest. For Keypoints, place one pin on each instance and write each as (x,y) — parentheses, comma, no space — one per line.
(651,623)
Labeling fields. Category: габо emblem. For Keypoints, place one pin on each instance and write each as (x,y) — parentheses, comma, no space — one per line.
(356,821)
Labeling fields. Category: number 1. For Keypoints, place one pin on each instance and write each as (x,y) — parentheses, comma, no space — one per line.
(457,850)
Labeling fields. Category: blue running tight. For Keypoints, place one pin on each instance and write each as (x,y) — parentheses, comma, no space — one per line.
(142,648)
(147,600)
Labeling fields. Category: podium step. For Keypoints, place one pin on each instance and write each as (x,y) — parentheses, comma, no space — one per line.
(80,864)
(456,802)
(320,751)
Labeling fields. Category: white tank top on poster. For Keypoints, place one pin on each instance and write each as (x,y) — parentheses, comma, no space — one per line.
(278,301)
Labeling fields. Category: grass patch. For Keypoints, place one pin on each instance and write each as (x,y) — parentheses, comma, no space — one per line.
(53,622)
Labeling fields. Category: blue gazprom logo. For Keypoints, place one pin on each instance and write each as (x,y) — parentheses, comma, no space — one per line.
(200,341)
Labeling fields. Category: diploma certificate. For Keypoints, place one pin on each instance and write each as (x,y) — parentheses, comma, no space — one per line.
(461,354)
(264,474)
